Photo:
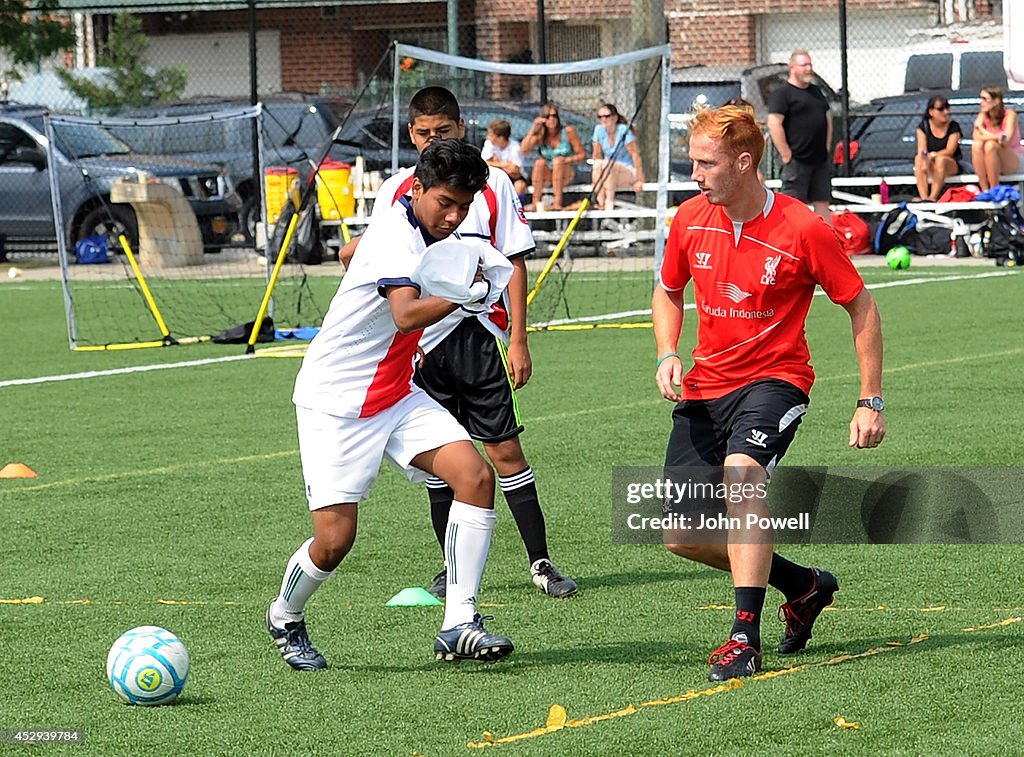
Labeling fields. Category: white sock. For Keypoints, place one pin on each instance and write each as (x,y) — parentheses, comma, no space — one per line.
(301,579)
(466,543)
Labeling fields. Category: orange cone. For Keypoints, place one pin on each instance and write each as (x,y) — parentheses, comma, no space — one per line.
(17,470)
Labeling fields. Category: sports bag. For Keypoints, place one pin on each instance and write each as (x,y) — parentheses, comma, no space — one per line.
(897,227)
(853,232)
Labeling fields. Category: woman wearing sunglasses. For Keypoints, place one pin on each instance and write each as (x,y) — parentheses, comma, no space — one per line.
(938,149)
(616,158)
(560,147)
(996,147)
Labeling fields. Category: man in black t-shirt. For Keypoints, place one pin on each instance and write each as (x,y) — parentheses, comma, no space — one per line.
(800,125)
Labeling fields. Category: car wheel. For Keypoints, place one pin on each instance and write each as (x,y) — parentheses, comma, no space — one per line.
(249,214)
(110,221)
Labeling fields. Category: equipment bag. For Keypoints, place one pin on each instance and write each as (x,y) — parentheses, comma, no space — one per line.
(853,232)
(897,227)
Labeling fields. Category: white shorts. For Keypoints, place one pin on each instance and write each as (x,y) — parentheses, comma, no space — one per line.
(341,457)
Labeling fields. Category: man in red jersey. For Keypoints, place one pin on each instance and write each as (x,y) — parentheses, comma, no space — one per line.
(755,258)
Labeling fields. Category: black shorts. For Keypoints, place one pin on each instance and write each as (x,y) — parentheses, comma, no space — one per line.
(467,373)
(810,182)
(759,420)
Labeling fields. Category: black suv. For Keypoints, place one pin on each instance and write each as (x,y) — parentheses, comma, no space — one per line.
(89,159)
(296,129)
(885,131)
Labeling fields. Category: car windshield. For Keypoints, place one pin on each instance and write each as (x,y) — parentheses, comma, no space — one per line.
(685,96)
(302,126)
(86,141)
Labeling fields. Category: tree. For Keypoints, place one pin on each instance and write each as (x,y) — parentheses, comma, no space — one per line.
(132,82)
(29,32)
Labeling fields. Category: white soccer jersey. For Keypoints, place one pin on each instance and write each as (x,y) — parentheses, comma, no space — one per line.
(496,216)
(359,363)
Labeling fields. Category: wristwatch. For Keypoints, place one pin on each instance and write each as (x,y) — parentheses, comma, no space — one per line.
(875,403)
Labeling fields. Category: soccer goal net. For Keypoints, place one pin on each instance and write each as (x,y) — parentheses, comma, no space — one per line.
(150,234)
(591,267)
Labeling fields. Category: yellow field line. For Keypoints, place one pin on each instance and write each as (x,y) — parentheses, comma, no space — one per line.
(558,719)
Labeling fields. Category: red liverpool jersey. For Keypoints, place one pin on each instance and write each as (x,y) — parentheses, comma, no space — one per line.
(753,284)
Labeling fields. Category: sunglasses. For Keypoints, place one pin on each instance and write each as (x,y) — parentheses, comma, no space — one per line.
(940,107)
(550,115)
(604,115)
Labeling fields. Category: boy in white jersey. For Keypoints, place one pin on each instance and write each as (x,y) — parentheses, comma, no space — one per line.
(356,404)
(467,366)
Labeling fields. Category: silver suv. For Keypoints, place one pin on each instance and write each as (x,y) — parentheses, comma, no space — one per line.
(89,160)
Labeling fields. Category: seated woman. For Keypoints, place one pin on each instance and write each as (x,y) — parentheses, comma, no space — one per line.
(996,149)
(938,148)
(616,159)
(560,147)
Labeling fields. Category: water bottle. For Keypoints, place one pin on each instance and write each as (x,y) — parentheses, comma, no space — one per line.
(883,192)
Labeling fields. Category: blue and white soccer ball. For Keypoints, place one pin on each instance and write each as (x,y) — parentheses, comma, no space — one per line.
(148,665)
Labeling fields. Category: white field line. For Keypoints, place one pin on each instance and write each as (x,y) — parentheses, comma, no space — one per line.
(818,293)
(234,358)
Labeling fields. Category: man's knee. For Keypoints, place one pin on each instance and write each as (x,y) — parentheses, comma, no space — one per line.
(506,455)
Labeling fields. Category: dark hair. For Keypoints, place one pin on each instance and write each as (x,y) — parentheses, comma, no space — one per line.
(434,101)
(935,101)
(452,163)
(500,128)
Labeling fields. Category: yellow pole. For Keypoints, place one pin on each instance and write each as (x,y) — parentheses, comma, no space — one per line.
(558,250)
(145,287)
(281,255)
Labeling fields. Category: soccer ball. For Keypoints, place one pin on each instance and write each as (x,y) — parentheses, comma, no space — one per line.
(148,665)
(898,258)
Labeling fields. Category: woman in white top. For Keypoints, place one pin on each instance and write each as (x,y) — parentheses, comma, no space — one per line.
(996,147)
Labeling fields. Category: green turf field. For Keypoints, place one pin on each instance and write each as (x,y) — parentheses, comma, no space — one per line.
(174,497)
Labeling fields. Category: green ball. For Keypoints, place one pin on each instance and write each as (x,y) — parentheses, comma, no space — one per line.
(898,258)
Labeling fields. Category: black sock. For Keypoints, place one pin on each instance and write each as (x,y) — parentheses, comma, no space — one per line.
(441,496)
(520,490)
(749,603)
(791,579)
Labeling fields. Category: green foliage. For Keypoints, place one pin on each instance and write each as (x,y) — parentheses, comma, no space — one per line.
(28,32)
(133,83)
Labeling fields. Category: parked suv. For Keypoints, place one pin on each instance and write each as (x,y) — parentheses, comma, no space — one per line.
(89,160)
(885,131)
(713,86)
(296,129)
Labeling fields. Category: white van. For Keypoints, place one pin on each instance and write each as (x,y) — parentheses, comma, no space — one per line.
(961,64)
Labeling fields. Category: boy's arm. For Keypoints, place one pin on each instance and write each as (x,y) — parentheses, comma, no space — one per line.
(520,365)
(412,312)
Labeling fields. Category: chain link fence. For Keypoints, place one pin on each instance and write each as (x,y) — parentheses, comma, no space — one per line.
(332,58)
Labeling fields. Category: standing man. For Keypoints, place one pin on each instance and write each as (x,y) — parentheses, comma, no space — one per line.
(800,125)
(474,363)
(356,404)
(755,259)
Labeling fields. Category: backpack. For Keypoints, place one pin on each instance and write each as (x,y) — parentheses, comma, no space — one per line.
(853,232)
(1003,237)
(306,247)
(897,227)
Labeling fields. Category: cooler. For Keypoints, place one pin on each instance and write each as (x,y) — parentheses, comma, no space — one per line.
(281,182)
(334,190)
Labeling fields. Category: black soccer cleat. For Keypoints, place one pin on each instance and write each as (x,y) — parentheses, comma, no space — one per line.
(550,580)
(471,641)
(293,643)
(439,588)
(734,659)
(799,614)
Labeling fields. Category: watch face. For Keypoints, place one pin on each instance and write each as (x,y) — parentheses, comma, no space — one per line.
(877,404)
